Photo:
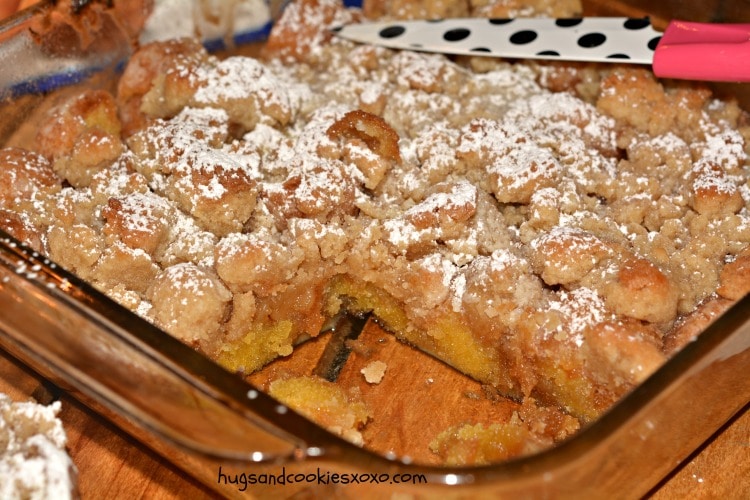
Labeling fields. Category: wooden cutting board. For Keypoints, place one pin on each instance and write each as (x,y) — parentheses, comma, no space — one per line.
(112,465)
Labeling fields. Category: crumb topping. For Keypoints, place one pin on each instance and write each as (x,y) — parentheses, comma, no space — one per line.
(34,463)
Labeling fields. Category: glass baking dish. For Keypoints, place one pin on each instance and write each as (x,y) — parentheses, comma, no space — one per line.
(234,439)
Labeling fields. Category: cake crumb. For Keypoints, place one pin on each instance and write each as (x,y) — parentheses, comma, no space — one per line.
(329,405)
(374,372)
(34,463)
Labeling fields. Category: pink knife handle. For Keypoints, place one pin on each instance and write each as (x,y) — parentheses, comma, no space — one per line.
(702,51)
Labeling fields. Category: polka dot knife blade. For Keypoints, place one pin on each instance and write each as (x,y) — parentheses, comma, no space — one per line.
(698,51)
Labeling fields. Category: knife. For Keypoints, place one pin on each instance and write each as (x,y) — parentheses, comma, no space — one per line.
(685,50)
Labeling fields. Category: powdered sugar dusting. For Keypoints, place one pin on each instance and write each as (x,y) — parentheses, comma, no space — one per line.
(242,78)
(34,463)
(580,309)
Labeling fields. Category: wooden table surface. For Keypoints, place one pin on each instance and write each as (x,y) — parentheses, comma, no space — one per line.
(112,465)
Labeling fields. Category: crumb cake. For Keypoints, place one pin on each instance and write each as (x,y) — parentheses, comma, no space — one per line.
(554,231)
(33,461)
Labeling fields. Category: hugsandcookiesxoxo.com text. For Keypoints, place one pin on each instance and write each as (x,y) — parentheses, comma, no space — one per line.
(242,480)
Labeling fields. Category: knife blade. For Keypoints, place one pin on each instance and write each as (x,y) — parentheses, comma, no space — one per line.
(685,50)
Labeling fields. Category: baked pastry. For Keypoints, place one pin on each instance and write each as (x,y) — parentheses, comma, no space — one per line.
(538,227)
(34,463)
(326,403)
